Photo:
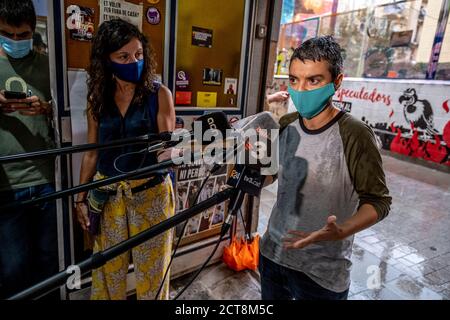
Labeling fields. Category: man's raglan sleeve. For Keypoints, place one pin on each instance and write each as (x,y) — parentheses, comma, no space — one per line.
(365,165)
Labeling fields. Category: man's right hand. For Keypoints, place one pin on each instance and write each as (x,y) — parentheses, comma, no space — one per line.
(82,215)
(5,107)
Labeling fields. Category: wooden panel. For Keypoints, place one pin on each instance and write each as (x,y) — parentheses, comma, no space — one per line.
(225,18)
(78,52)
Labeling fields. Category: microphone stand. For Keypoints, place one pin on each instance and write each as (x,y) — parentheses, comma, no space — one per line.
(243,180)
(140,173)
(85,147)
(100,258)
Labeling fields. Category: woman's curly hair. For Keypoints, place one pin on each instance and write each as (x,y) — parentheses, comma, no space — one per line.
(111,36)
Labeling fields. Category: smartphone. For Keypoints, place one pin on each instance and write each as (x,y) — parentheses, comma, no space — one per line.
(15,95)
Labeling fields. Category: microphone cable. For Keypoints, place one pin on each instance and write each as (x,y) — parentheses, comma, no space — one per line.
(131,153)
(202,267)
(209,258)
(215,168)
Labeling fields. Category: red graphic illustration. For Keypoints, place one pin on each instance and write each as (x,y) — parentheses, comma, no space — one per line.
(445,106)
(435,151)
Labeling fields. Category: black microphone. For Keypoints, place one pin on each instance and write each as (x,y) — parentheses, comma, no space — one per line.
(211,121)
(247,180)
(214,123)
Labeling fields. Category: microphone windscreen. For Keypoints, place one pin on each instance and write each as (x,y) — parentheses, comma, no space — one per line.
(258,149)
(262,120)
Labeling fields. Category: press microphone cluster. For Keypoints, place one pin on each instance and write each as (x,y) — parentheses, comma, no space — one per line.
(258,145)
(244,179)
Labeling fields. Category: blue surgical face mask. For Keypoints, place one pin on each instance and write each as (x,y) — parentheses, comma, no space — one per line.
(310,103)
(16,49)
(130,72)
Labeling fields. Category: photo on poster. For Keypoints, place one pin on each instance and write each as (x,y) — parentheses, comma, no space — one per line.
(182,192)
(202,37)
(205,221)
(192,226)
(219,214)
(80,23)
(194,187)
(178,230)
(212,77)
(230,86)
(221,183)
(207,191)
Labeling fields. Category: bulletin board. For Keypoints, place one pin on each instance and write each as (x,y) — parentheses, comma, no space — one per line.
(78,52)
(219,56)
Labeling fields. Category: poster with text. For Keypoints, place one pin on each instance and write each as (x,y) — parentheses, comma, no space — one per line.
(121,9)
(188,188)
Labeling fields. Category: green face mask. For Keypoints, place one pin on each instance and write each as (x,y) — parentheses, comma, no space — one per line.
(309,103)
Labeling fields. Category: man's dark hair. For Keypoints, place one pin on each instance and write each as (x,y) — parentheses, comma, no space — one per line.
(321,48)
(16,13)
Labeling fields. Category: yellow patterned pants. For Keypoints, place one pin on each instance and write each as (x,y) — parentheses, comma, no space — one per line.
(126,215)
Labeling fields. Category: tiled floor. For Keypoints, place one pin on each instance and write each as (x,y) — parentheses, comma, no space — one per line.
(409,251)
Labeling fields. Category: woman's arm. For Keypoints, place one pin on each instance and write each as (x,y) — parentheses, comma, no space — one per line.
(166,112)
(88,167)
(165,118)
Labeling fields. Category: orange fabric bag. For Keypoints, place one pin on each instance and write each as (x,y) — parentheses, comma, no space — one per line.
(242,254)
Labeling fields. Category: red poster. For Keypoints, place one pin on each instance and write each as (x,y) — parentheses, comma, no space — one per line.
(183,97)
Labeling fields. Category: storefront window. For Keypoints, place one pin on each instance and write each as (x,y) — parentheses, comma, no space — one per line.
(382,40)
(291,36)
(443,68)
(396,45)
(348,29)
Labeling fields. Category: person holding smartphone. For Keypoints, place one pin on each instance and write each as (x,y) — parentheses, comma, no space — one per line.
(28,236)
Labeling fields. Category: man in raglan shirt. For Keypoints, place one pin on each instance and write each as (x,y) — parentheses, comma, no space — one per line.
(28,235)
(331,184)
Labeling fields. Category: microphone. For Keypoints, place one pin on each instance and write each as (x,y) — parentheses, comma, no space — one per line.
(213,123)
(262,120)
(260,155)
(258,145)
(247,180)
(210,124)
